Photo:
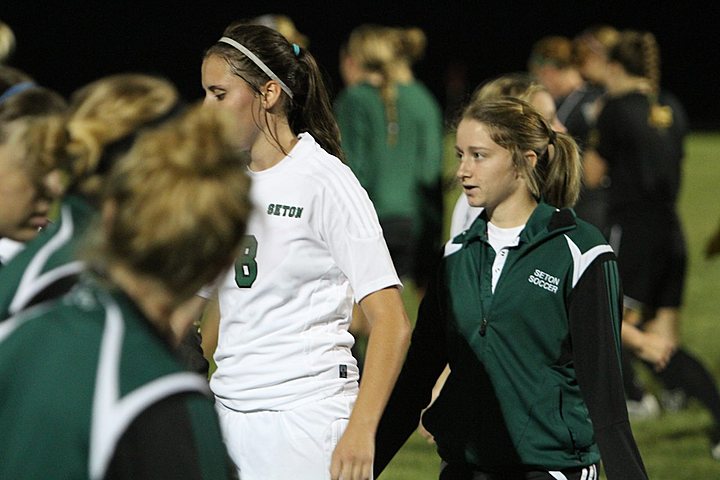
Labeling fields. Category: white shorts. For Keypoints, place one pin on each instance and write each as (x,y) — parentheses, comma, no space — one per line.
(291,444)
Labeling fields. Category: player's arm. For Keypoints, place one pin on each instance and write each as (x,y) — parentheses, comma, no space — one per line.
(426,358)
(184,321)
(594,169)
(595,315)
(649,346)
(387,345)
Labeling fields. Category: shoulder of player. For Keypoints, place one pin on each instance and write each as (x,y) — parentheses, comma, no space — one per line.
(323,169)
(586,237)
(354,97)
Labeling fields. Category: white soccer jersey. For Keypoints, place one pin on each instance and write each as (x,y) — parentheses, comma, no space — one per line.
(313,243)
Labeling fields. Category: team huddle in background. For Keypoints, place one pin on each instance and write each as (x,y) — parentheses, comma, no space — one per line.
(261,238)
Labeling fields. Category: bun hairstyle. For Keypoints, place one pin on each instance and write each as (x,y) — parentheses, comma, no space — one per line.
(412,42)
(180,198)
(518,127)
(105,112)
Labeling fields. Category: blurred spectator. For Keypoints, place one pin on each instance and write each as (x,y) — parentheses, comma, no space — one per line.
(552,62)
(640,145)
(285,26)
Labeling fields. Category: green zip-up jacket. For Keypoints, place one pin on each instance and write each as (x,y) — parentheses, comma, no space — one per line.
(90,389)
(535,376)
(47,267)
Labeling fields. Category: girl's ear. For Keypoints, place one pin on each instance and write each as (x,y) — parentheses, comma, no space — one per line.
(531,157)
(271,93)
(55,183)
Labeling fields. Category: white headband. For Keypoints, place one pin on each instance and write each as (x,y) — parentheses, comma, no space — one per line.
(257,62)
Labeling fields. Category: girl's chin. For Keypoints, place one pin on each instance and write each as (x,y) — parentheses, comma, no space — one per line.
(25,234)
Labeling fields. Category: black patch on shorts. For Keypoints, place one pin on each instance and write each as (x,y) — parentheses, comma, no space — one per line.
(343,371)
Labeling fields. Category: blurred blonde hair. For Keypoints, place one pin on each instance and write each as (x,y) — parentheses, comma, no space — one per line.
(10,76)
(180,198)
(7,41)
(106,111)
(597,39)
(38,142)
(34,101)
(388,52)
(555,50)
(519,85)
(283,25)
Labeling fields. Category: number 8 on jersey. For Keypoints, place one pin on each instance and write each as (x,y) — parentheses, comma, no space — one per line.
(245,265)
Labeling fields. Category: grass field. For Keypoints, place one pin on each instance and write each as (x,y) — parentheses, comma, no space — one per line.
(674,447)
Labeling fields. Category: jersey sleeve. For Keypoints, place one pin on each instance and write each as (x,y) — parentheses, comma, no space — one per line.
(423,365)
(595,314)
(178,437)
(352,231)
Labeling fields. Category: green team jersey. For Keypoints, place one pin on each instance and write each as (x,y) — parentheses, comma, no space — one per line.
(535,369)
(47,267)
(90,389)
(396,176)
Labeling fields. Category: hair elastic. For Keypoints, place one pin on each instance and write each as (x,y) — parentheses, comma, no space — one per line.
(257,62)
(552,137)
(296,49)
(15,89)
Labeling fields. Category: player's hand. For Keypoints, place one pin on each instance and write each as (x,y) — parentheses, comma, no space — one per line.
(425,434)
(354,454)
(657,350)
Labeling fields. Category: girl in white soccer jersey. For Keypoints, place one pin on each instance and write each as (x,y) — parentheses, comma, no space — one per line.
(286,382)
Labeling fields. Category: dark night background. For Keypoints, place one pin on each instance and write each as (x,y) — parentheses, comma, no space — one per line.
(67,44)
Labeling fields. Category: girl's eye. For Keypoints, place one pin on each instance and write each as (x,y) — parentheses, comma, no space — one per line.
(219,97)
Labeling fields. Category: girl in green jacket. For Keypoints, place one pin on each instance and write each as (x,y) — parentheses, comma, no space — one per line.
(90,386)
(526,309)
